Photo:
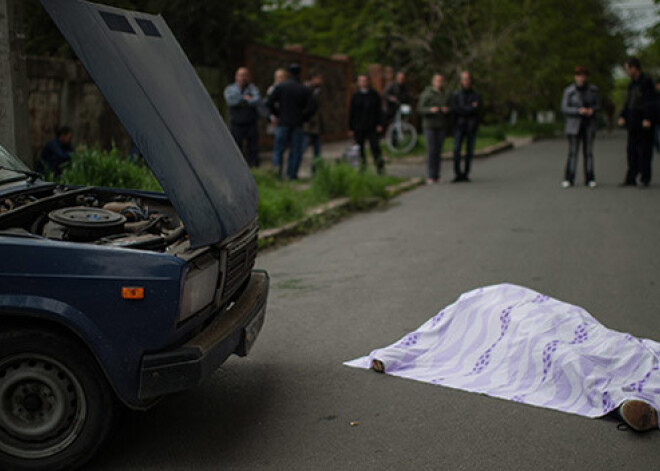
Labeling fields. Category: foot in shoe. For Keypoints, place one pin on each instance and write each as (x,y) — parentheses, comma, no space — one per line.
(592,184)
(566,184)
(639,415)
(378,366)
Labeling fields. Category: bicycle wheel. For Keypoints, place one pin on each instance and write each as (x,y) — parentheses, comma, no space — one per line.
(401,139)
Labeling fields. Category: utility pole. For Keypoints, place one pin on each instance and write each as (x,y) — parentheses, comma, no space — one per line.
(14,119)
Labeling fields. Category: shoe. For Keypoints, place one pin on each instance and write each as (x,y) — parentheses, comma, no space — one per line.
(592,184)
(430,181)
(645,184)
(457,179)
(566,184)
(639,415)
(627,183)
(466,179)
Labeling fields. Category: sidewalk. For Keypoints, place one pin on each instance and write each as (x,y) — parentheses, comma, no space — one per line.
(332,151)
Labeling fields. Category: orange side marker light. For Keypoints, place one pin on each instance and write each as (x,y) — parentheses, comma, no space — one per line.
(132,292)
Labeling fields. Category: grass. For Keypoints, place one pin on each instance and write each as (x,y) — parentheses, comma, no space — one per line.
(280,202)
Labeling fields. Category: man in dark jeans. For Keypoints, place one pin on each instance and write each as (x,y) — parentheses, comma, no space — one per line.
(466,105)
(579,105)
(57,152)
(365,121)
(293,105)
(243,100)
(638,115)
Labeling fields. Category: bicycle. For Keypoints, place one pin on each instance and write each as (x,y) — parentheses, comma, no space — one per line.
(401,136)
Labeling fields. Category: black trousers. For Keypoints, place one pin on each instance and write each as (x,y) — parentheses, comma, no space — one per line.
(374,145)
(470,136)
(435,137)
(586,138)
(247,133)
(640,152)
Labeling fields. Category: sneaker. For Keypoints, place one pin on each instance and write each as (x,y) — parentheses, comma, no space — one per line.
(566,184)
(430,181)
(639,415)
(592,184)
(457,180)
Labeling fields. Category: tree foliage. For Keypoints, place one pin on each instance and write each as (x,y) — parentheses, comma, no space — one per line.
(521,52)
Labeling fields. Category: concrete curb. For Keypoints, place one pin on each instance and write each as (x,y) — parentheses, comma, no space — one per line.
(336,206)
(485,152)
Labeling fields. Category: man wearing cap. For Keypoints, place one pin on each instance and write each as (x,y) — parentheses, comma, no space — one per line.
(291,102)
(579,105)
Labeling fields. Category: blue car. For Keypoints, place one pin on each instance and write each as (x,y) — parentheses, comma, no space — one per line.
(116,296)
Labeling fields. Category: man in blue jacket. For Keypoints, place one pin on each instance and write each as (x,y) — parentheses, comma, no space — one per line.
(466,106)
(579,105)
(57,151)
(243,100)
(638,115)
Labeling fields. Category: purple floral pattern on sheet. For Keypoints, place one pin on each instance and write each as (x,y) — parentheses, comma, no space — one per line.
(548,353)
(484,359)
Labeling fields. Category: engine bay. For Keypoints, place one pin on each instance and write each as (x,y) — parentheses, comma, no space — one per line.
(94,216)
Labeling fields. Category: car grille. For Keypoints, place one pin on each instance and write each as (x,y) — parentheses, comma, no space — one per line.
(240,256)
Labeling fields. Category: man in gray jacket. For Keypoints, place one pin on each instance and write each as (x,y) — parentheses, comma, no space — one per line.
(579,105)
(243,100)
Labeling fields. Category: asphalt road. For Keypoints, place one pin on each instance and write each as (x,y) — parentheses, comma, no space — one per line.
(365,282)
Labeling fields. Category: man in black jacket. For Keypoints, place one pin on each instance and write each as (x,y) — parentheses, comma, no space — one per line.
(291,102)
(366,121)
(638,115)
(466,105)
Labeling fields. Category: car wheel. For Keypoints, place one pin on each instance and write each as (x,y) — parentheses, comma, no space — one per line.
(56,407)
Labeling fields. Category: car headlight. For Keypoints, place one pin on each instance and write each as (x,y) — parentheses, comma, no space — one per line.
(199,288)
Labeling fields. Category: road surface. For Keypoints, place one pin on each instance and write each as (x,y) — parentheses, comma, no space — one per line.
(365,282)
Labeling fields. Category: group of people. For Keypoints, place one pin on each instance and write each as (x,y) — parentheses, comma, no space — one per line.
(640,116)
(291,109)
(438,109)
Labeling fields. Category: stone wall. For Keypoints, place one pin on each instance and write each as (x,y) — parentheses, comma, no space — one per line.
(61,93)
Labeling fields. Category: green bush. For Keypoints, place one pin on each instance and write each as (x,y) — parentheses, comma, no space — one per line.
(107,169)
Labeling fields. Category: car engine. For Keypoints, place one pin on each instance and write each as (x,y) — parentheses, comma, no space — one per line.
(96,216)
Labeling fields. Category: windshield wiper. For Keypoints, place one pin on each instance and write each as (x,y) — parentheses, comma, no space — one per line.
(29,173)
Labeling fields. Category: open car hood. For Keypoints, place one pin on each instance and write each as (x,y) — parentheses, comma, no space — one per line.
(146,77)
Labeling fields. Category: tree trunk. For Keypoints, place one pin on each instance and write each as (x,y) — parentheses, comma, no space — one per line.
(14,119)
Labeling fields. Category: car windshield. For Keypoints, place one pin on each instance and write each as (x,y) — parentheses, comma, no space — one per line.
(11,167)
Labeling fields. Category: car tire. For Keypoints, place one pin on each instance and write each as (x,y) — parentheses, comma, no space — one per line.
(56,406)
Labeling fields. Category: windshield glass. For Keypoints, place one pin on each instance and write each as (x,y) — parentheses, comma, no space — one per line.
(9,161)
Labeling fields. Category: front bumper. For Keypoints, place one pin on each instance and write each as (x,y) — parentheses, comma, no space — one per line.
(232,332)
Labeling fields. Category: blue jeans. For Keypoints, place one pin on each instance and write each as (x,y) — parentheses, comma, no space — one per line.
(292,137)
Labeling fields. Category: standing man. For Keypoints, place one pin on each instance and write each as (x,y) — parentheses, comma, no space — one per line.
(434,108)
(638,116)
(579,105)
(57,151)
(315,126)
(365,121)
(292,103)
(466,105)
(396,94)
(243,100)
